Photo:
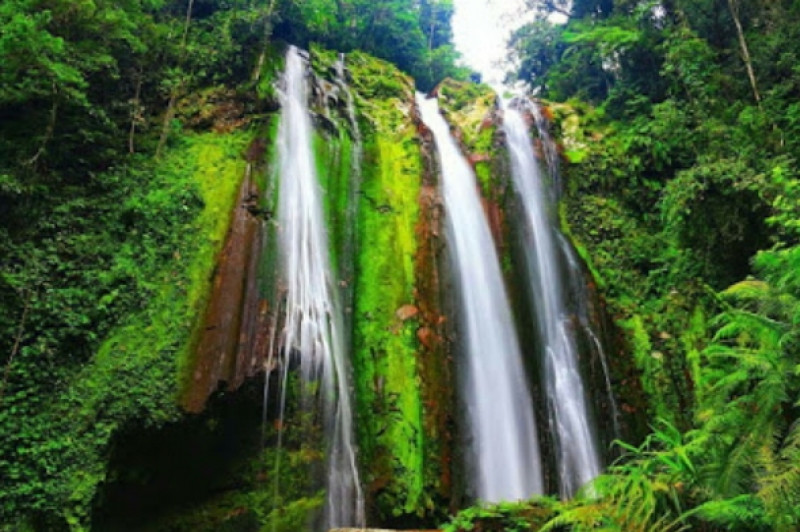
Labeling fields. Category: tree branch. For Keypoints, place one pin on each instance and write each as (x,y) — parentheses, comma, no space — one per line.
(267,32)
(17,341)
(550,5)
(170,112)
(51,126)
(745,51)
(136,112)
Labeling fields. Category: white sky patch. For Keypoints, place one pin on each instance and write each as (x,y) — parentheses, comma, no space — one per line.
(480,31)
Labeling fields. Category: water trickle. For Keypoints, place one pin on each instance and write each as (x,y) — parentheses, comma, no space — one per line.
(577,458)
(583,300)
(313,334)
(504,444)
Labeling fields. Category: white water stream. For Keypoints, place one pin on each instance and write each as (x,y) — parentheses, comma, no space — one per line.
(577,458)
(503,440)
(313,335)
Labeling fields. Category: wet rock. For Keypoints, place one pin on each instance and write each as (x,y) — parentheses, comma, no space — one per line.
(226,344)
(406,312)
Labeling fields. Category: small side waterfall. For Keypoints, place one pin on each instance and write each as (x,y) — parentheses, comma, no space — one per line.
(577,456)
(504,444)
(312,337)
(589,327)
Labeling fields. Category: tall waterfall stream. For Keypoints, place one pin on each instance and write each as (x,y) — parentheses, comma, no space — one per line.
(577,458)
(313,331)
(502,431)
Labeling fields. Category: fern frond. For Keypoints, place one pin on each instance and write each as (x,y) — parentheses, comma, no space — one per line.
(779,483)
(581,517)
(744,512)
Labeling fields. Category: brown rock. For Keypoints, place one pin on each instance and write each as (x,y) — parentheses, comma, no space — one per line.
(475,158)
(406,312)
(426,337)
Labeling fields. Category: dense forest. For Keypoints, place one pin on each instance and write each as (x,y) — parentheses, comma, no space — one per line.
(126,127)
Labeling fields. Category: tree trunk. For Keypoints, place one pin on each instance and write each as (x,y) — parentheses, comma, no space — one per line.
(51,126)
(17,341)
(745,51)
(267,32)
(170,112)
(136,112)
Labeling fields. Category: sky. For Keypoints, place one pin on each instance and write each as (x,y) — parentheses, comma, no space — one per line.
(481,29)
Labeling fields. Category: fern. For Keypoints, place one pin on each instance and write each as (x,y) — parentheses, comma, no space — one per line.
(779,488)
(742,511)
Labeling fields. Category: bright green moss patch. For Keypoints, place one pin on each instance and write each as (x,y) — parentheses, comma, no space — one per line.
(378,80)
(170,229)
(387,382)
(459,95)
(383,94)
(469,108)
(484,173)
(333,157)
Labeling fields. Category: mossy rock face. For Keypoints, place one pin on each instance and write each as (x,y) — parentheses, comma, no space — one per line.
(375,171)
(471,111)
(155,281)
(212,471)
(391,421)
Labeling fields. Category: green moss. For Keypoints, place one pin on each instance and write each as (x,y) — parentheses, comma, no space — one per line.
(322,60)
(333,158)
(469,107)
(580,248)
(271,69)
(576,155)
(457,96)
(387,386)
(484,172)
(134,373)
(380,91)
(387,382)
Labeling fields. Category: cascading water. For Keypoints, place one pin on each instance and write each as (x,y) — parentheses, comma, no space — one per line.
(583,298)
(312,335)
(577,457)
(500,416)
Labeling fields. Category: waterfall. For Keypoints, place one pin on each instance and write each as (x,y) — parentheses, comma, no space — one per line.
(503,439)
(577,457)
(583,300)
(312,335)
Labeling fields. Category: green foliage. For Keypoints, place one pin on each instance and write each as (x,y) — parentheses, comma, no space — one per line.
(679,179)
(104,349)
(716,194)
(512,517)
(414,35)
(469,108)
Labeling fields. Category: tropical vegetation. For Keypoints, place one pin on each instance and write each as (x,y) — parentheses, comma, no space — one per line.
(122,132)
